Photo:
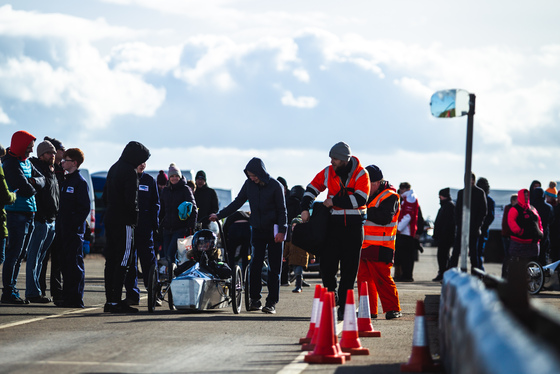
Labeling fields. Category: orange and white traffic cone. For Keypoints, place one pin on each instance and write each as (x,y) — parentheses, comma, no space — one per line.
(420,360)
(349,341)
(365,328)
(318,313)
(327,350)
(316,300)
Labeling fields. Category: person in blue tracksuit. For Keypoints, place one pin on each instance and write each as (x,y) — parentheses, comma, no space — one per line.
(268,222)
(148,222)
(74,208)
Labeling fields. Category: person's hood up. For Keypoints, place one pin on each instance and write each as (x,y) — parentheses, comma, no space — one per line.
(521,198)
(135,153)
(20,142)
(537,195)
(409,196)
(256,166)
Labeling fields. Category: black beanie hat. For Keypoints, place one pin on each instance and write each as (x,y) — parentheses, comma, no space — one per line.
(200,174)
(57,143)
(283,182)
(375,173)
(445,193)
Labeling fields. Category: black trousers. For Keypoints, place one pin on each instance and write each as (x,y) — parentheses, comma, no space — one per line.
(344,245)
(406,249)
(120,241)
(443,250)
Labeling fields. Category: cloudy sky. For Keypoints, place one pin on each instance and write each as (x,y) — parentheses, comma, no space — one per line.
(210,84)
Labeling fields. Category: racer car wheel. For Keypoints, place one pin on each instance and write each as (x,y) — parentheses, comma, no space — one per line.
(152,288)
(236,289)
(170,298)
(246,289)
(535,277)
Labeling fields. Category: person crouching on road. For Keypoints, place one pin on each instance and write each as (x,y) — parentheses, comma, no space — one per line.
(348,189)
(378,249)
(268,230)
(297,258)
(73,211)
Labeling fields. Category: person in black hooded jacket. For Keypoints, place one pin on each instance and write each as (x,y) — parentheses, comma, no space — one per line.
(269,224)
(121,197)
(546,212)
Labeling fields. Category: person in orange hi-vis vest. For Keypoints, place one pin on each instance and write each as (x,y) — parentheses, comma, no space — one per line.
(348,188)
(378,249)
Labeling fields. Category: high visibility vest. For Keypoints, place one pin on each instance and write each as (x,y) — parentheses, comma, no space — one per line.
(381,235)
(357,184)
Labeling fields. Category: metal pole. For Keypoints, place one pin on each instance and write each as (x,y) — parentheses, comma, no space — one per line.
(466,223)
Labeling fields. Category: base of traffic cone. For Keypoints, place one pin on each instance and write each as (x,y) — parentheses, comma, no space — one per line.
(307,347)
(356,351)
(304,340)
(422,362)
(322,359)
(369,334)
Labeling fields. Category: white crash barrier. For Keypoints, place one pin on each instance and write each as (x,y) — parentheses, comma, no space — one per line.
(478,335)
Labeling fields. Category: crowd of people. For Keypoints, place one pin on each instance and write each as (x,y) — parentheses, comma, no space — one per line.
(372,227)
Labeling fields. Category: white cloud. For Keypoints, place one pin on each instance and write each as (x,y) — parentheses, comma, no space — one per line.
(41,26)
(301,74)
(139,57)
(4,119)
(306,102)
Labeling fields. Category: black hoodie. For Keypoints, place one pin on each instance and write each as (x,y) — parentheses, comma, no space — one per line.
(266,200)
(121,188)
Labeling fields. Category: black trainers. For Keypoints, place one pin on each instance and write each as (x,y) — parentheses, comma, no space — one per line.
(393,314)
(269,309)
(121,307)
(438,278)
(13,299)
(39,299)
(131,302)
(255,305)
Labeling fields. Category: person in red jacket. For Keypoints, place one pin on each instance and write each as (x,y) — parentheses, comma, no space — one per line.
(348,188)
(526,229)
(378,249)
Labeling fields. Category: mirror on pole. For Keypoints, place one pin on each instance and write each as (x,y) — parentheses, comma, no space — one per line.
(450,103)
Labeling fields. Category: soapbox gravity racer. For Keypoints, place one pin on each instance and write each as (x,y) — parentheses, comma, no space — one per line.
(198,280)
(539,277)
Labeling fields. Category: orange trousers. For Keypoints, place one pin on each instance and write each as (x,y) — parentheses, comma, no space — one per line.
(380,284)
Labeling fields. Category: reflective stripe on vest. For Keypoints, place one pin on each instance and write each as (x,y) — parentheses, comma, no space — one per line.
(381,235)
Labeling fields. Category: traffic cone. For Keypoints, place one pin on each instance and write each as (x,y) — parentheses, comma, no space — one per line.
(327,350)
(365,328)
(420,360)
(316,300)
(318,313)
(349,341)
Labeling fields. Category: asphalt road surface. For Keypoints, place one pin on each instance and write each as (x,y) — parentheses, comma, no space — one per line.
(48,339)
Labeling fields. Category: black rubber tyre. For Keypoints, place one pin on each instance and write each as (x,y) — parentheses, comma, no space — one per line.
(152,289)
(535,277)
(170,298)
(246,289)
(236,289)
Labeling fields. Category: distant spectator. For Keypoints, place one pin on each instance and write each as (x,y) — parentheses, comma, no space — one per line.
(162,180)
(71,227)
(175,227)
(6,198)
(54,249)
(506,233)
(551,194)
(444,231)
(555,235)
(406,246)
(534,184)
(546,214)
(479,209)
(44,232)
(23,179)
(206,199)
(488,219)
